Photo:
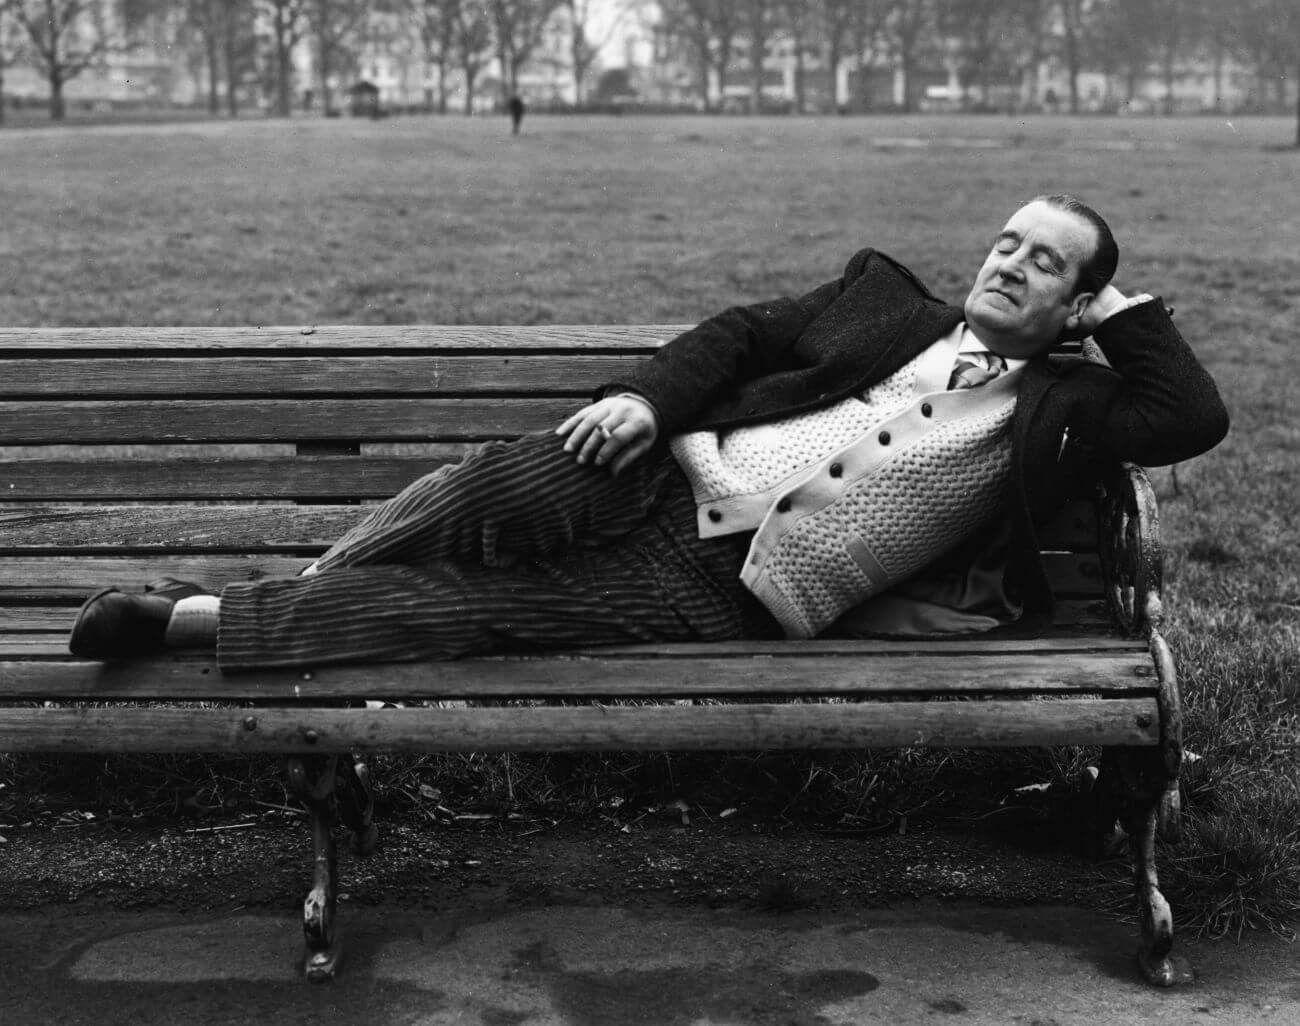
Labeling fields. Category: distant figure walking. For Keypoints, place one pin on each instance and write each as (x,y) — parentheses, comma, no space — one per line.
(516,107)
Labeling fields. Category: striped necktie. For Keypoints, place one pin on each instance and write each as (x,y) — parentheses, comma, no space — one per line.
(972,369)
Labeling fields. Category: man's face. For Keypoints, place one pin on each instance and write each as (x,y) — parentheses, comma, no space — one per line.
(1024,295)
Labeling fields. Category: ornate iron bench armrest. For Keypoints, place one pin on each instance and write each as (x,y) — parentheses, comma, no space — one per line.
(1132,565)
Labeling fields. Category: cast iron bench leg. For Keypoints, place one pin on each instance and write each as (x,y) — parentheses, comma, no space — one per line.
(1139,776)
(356,804)
(312,779)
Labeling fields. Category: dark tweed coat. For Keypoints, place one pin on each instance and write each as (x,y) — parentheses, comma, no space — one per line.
(1154,405)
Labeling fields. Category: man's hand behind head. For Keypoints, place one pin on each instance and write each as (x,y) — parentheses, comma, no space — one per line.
(1105,303)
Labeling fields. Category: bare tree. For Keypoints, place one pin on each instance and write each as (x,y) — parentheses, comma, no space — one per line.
(1175,27)
(205,20)
(1123,45)
(583,46)
(333,25)
(910,28)
(288,26)
(66,37)
(834,20)
(435,23)
(759,20)
(709,28)
(472,38)
(1267,35)
(867,18)
(797,19)
(989,34)
(518,25)
(8,49)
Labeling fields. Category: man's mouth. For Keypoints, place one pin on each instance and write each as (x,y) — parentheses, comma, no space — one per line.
(1005,295)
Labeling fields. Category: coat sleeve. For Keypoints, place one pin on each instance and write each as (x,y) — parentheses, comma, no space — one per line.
(1166,408)
(687,375)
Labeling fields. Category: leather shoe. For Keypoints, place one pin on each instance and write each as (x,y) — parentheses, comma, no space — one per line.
(114,624)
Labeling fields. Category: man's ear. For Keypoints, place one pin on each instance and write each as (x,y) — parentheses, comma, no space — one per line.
(1078,307)
(1076,325)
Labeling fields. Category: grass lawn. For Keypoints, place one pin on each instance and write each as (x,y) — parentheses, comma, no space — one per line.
(668,220)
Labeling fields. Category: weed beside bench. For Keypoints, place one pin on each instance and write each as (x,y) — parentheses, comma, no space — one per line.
(216,455)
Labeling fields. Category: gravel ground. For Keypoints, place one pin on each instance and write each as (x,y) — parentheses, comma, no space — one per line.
(264,862)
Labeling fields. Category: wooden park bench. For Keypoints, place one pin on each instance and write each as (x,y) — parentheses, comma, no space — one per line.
(220,454)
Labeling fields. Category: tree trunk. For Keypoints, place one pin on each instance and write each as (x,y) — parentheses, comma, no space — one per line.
(470,75)
(1072,68)
(232,65)
(1297,107)
(326,97)
(1169,81)
(282,102)
(442,86)
(58,109)
(1218,77)
(2,94)
(833,62)
(800,91)
(214,69)
(705,67)
(504,60)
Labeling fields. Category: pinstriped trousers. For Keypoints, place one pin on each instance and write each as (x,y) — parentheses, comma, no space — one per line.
(516,546)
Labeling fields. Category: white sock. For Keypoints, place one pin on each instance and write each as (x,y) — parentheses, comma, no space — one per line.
(193,621)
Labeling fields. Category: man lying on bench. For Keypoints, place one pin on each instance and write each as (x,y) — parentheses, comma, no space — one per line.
(762,475)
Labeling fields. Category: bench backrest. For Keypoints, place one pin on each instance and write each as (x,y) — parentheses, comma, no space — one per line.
(218,454)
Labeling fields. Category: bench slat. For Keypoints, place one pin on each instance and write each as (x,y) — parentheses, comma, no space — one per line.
(870,669)
(173,377)
(256,477)
(42,578)
(60,528)
(341,338)
(51,530)
(1090,613)
(272,420)
(1117,721)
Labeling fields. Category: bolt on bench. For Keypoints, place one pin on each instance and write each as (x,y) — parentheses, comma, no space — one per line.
(218,454)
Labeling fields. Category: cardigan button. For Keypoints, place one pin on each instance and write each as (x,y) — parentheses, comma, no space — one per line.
(715,516)
(884,438)
(783,506)
(837,470)
(926,410)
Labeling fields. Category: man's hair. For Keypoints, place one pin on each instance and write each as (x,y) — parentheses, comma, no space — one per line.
(1097,271)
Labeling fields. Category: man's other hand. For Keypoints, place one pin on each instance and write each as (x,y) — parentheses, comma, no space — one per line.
(612,432)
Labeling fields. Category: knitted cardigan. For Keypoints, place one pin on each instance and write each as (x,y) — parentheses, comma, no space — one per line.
(850,499)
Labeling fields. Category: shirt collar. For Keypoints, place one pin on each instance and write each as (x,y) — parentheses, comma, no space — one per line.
(971,344)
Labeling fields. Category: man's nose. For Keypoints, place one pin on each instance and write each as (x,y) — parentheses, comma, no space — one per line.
(1010,268)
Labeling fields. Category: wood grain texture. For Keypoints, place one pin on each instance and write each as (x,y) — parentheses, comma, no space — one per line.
(40,579)
(341,339)
(585,728)
(273,377)
(787,670)
(217,478)
(127,421)
(45,530)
